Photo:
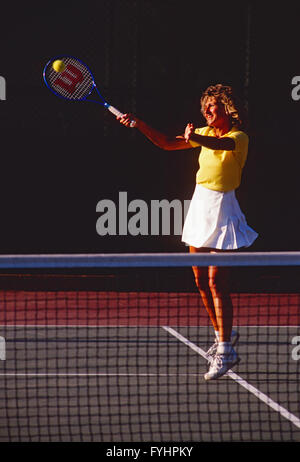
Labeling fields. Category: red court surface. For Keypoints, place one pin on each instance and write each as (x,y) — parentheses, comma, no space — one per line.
(140,308)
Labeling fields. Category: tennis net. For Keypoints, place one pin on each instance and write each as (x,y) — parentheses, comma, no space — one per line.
(112,348)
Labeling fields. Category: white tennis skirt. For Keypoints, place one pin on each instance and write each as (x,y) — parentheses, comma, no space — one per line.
(215,220)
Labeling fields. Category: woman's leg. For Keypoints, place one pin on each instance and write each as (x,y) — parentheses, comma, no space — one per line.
(219,287)
(213,285)
(201,275)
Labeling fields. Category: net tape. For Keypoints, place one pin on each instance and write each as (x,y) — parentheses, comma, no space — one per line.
(150,259)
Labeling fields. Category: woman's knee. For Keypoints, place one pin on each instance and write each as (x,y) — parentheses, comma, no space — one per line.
(218,279)
(201,278)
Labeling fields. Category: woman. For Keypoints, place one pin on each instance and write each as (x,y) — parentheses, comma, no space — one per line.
(214,222)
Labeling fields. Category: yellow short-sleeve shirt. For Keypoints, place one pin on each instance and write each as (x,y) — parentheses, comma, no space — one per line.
(222,170)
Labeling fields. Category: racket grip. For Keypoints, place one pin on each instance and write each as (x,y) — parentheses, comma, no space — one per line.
(117,113)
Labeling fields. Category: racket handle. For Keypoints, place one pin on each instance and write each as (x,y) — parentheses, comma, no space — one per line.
(117,113)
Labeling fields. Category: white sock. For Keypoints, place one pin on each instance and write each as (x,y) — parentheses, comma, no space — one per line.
(224,347)
(217,335)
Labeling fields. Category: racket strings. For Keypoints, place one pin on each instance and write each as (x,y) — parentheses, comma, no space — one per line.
(74,83)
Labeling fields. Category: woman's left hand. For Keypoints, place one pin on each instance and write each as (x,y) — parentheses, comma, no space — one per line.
(189,130)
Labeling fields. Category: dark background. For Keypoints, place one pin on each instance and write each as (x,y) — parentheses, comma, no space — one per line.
(154,58)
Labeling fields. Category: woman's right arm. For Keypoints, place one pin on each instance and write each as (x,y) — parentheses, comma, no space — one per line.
(159,139)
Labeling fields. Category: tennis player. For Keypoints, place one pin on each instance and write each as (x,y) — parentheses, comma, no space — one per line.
(214,222)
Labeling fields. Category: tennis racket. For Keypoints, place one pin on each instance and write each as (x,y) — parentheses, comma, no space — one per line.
(75,82)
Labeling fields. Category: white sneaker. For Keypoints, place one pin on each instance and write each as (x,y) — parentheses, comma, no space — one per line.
(221,364)
(213,349)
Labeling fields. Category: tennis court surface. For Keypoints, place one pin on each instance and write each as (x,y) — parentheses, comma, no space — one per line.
(113,349)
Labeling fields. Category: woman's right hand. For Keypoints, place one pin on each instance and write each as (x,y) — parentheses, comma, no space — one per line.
(128,120)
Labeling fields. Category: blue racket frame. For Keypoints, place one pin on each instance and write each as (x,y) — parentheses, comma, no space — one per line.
(93,87)
(102,101)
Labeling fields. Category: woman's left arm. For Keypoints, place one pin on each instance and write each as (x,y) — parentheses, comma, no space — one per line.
(210,142)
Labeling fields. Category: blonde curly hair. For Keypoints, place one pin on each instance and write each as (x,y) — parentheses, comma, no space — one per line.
(233,107)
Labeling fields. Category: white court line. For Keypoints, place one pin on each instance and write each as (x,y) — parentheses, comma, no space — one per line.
(255,391)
